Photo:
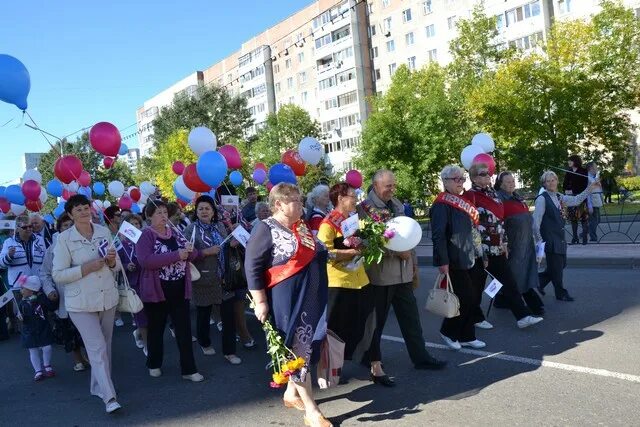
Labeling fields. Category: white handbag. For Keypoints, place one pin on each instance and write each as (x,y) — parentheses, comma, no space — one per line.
(129,301)
(195,274)
(443,302)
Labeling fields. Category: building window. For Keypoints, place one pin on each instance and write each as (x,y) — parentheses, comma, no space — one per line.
(301,57)
(386,3)
(291,100)
(406,15)
(637,13)
(322,41)
(432,55)
(392,68)
(343,54)
(391,46)
(409,38)
(431,30)
(302,77)
(374,52)
(345,76)
(386,25)
(260,108)
(347,98)
(290,83)
(451,22)
(500,21)
(427,7)
(376,74)
(532,9)
(350,120)
(276,68)
(327,83)
(287,63)
(372,30)
(411,62)
(341,33)
(331,103)
(564,6)
(277,87)
(304,96)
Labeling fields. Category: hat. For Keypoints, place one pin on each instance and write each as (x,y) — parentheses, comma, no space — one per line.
(32,283)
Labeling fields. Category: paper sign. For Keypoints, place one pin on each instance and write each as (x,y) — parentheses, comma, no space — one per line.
(130,232)
(540,249)
(493,288)
(4,299)
(103,246)
(117,243)
(230,200)
(7,224)
(350,225)
(241,235)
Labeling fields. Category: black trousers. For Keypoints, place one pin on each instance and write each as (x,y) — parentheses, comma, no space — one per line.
(4,331)
(553,273)
(404,304)
(461,328)
(499,268)
(203,315)
(176,307)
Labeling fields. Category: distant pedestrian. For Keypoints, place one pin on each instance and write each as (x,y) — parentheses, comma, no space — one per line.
(594,202)
(408,209)
(575,182)
(609,185)
(318,206)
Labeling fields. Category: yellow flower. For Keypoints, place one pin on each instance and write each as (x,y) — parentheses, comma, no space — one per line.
(280,378)
(296,364)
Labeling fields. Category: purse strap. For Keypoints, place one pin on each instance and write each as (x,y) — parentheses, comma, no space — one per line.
(439,280)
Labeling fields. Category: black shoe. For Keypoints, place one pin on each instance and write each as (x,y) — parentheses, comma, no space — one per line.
(431,363)
(565,297)
(574,242)
(383,380)
(541,290)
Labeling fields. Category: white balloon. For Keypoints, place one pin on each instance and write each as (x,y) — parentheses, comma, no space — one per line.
(310,150)
(181,188)
(468,154)
(116,188)
(201,140)
(408,233)
(32,174)
(147,188)
(106,204)
(98,204)
(143,199)
(43,196)
(485,142)
(73,186)
(17,209)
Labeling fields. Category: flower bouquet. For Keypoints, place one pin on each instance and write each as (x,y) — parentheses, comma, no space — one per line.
(374,236)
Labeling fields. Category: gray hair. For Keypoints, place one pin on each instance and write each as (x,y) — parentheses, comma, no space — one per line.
(451,170)
(260,205)
(380,173)
(546,175)
(317,191)
(35,215)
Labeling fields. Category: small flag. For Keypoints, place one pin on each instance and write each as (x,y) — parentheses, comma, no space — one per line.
(493,288)
(241,235)
(540,249)
(7,224)
(230,200)
(350,225)
(129,231)
(4,299)
(103,246)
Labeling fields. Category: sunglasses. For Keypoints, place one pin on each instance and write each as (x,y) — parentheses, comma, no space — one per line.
(484,174)
(457,179)
(26,227)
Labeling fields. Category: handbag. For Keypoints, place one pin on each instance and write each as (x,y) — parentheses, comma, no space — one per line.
(129,301)
(443,302)
(234,275)
(331,360)
(195,274)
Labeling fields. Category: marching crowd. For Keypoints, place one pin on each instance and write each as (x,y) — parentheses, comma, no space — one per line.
(299,269)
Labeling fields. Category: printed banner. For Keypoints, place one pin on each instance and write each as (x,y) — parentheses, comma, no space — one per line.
(6,224)
(241,235)
(350,225)
(129,231)
(493,288)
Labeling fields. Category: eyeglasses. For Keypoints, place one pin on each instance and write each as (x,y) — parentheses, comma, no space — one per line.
(457,179)
(483,174)
(26,227)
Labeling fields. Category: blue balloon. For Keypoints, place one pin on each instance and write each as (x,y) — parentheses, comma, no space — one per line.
(49,219)
(135,208)
(98,188)
(123,149)
(212,168)
(58,211)
(236,178)
(180,196)
(54,187)
(2,190)
(282,173)
(13,193)
(85,191)
(15,82)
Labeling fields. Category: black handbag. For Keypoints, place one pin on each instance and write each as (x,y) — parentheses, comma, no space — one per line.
(234,275)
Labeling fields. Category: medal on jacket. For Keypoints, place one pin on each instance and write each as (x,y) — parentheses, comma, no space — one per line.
(306,238)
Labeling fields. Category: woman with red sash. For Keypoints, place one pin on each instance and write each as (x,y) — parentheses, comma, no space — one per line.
(494,244)
(287,276)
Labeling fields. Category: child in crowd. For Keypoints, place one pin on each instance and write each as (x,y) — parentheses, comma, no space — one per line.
(37,335)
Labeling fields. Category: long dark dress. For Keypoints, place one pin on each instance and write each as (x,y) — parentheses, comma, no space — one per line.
(298,303)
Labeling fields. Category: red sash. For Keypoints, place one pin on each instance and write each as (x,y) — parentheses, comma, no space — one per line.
(334,219)
(481,200)
(459,203)
(303,256)
(514,207)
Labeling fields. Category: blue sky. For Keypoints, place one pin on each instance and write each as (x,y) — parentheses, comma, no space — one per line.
(99,61)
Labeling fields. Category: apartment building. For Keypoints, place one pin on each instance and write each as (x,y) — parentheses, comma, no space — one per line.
(131,158)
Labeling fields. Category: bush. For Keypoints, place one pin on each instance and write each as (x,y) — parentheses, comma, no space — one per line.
(632,183)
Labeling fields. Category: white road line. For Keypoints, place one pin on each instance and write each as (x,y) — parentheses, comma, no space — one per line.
(528,361)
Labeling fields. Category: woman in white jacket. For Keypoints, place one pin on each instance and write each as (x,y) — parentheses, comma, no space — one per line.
(85,263)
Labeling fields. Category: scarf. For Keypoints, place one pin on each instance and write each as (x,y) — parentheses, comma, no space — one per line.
(210,236)
(487,199)
(459,203)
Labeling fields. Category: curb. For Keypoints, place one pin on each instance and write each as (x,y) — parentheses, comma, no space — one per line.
(609,263)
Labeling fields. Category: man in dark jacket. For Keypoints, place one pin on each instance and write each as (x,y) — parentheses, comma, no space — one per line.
(575,182)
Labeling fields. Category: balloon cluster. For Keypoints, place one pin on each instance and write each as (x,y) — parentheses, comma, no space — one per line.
(479,152)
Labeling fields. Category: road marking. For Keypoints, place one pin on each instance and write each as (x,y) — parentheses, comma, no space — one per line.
(528,361)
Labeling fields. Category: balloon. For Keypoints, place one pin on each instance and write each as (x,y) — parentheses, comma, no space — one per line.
(2,190)
(231,155)
(468,154)
(31,190)
(67,168)
(108,162)
(66,194)
(5,206)
(147,188)
(97,204)
(182,203)
(135,194)
(281,173)
(486,159)
(236,178)
(14,194)
(124,150)
(54,187)
(407,234)
(182,191)
(269,187)
(33,205)
(43,197)
(49,219)
(125,202)
(292,159)
(116,188)
(84,179)
(484,141)
(310,150)
(354,178)
(85,191)
(212,168)
(105,139)
(201,140)
(135,208)
(259,176)
(261,166)
(106,204)
(98,188)
(193,181)
(177,167)
(59,210)
(32,174)
(72,186)
(17,209)
(15,82)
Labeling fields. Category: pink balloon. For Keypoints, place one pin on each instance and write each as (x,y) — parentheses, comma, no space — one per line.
(105,139)
(269,186)
(231,155)
(354,178)
(486,159)
(178,167)
(84,179)
(67,168)
(108,162)
(125,202)
(262,166)
(31,189)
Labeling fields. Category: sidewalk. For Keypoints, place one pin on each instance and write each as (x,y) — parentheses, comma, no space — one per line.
(589,256)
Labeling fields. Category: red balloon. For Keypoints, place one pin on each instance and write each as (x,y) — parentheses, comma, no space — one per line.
(193,181)
(105,139)
(269,186)
(177,167)
(108,162)
(66,194)
(486,159)
(261,166)
(231,155)
(5,206)
(292,159)
(31,189)
(354,178)
(67,168)
(33,205)
(135,194)
(125,202)
(84,179)
(182,203)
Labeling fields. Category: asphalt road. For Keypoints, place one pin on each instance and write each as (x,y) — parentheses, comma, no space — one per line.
(578,367)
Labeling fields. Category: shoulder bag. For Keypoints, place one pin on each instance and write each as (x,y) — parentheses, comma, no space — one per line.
(443,302)
(129,301)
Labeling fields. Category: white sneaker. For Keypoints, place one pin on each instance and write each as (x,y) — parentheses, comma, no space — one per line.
(453,345)
(474,344)
(249,344)
(138,338)
(484,325)
(173,332)
(525,322)
(193,339)
(134,324)
(144,350)
(155,372)
(196,378)
(212,322)
(208,351)
(219,326)
(233,359)
(79,367)
(119,323)
(112,406)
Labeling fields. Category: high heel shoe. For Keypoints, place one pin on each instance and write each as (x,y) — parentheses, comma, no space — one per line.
(382,380)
